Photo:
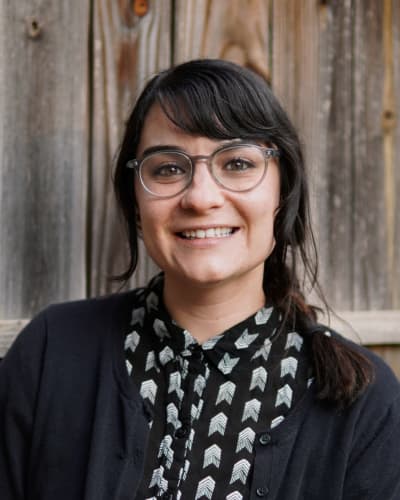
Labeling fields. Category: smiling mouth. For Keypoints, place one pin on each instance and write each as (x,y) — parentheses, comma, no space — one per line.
(214,232)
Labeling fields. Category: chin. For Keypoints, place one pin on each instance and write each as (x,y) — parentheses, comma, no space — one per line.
(211,276)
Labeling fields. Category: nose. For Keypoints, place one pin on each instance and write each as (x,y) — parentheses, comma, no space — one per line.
(203,192)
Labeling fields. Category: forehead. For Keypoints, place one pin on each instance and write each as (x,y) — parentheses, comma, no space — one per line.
(158,130)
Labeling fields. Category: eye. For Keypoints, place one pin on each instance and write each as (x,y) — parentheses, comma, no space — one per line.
(239,165)
(168,170)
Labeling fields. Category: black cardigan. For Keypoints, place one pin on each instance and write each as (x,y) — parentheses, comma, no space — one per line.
(73,426)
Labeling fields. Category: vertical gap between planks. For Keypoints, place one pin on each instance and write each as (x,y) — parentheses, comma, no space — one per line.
(271,41)
(387,129)
(89,169)
(353,175)
(173,34)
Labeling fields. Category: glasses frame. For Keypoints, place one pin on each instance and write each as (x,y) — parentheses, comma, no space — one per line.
(268,152)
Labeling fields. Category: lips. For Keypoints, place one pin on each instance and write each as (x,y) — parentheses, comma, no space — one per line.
(212,232)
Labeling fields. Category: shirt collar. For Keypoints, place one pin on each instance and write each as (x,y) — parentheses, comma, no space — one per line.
(229,351)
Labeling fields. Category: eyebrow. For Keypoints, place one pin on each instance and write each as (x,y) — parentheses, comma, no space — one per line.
(173,147)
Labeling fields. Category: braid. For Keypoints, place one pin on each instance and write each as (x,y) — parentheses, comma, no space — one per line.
(341,371)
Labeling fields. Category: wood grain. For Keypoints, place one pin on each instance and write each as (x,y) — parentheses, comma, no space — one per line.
(235,30)
(127,50)
(43,153)
(390,354)
(70,72)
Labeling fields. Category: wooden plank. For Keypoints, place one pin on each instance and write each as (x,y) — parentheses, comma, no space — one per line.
(339,143)
(390,354)
(216,30)
(43,153)
(302,60)
(368,327)
(396,149)
(312,75)
(373,240)
(127,50)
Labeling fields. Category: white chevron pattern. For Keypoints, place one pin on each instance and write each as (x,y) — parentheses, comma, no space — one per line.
(189,443)
(151,301)
(284,396)
(189,340)
(151,362)
(259,378)
(240,471)
(166,450)
(210,344)
(132,341)
(195,411)
(138,316)
(166,355)
(157,479)
(235,495)
(294,340)
(263,351)
(160,329)
(212,456)
(226,392)
(289,366)
(246,440)
(276,421)
(263,315)
(245,339)
(218,424)
(199,385)
(252,410)
(227,364)
(184,471)
(172,415)
(175,381)
(128,367)
(148,390)
(205,488)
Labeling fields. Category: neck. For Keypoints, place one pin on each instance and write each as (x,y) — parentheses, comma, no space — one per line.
(206,311)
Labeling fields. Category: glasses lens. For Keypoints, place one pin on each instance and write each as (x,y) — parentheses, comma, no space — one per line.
(239,168)
(165,173)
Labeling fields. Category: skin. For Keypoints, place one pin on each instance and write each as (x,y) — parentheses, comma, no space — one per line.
(210,284)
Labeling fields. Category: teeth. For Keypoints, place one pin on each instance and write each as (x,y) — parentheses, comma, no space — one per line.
(214,232)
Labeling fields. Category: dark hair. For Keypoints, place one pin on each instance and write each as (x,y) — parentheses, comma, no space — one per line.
(221,100)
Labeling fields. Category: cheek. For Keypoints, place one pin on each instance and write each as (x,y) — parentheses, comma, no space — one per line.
(153,218)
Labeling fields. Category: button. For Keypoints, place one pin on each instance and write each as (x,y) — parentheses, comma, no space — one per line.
(182,432)
(264,438)
(167,495)
(262,492)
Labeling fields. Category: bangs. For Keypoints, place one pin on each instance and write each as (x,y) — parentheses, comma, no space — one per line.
(216,107)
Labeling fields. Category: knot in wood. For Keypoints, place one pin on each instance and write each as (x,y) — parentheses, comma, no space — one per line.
(140,7)
(33,27)
(388,120)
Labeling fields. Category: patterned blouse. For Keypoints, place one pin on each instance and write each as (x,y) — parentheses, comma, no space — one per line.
(208,402)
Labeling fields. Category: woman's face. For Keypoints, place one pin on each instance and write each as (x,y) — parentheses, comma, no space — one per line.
(173,229)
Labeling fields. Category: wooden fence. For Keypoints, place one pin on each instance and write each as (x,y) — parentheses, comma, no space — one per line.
(69,74)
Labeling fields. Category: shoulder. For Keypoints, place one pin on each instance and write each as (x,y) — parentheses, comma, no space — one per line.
(382,395)
(83,323)
(94,312)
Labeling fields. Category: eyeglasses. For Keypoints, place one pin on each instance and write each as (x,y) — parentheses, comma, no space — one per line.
(238,167)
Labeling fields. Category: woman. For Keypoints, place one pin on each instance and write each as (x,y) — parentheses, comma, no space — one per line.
(215,380)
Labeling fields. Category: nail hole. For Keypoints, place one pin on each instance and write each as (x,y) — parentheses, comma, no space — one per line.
(33,27)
